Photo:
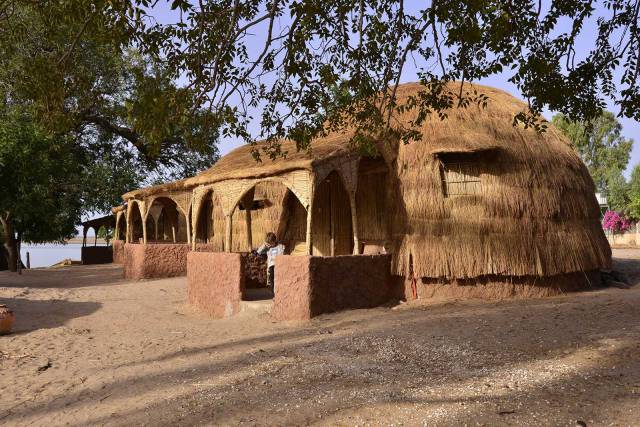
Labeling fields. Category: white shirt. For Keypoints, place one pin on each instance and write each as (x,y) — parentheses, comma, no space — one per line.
(271,252)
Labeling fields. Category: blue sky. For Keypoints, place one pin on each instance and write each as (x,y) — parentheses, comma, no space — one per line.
(631,128)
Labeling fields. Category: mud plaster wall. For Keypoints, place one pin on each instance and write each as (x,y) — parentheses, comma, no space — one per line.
(497,287)
(215,282)
(118,251)
(155,260)
(96,255)
(307,286)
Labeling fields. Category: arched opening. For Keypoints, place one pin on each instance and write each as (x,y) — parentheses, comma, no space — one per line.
(210,224)
(136,232)
(371,205)
(105,233)
(269,206)
(166,222)
(331,228)
(119,232)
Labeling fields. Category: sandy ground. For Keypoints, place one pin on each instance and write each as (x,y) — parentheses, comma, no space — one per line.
(93,349)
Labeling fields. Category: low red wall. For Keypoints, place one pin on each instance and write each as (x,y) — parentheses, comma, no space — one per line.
(215,282)
(155,260)
(96,255)
(118,251)
(307,286)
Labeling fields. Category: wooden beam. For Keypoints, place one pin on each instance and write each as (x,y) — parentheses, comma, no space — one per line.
(354,224)
(227,236)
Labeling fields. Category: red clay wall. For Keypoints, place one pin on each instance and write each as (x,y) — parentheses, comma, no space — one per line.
(215,282)
(155,260)
(96,255)
(118,251)
(307,286)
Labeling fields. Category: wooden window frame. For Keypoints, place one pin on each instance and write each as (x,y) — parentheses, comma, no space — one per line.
(457,180)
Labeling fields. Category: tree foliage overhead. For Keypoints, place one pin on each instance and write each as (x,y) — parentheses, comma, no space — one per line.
(75,65)
(290,56)
(308,63)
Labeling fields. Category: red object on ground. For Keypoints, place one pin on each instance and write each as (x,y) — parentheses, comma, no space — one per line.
(414,287)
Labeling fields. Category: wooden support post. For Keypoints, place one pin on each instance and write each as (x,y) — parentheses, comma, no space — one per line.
(95,237)
(28,260)
(127,232)
(309,224)
(187,219)
(249,233)
(354,224)
(193,226)
(227,235)
(155,227)
(144,231)
(247,203)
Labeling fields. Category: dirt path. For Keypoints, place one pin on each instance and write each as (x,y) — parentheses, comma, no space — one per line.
(93,349)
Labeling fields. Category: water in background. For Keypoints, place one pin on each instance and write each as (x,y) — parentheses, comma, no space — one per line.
(48,254)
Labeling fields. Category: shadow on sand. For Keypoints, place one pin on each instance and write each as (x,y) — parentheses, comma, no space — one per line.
(75,276)
(32,315)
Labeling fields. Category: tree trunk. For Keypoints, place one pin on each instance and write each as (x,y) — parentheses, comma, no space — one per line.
(10,243)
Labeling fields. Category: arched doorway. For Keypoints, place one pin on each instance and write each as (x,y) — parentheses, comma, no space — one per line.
(166,222)
(268,206)
(331,227)
(135,229)
(209,227)
(119,232)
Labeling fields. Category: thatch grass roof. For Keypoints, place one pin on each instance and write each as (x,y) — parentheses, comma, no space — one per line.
(536,213)
(240,163)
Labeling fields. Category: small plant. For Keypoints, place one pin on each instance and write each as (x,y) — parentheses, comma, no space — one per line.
(615,222)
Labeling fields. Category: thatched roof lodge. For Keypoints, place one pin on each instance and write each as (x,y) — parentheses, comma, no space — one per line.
(476,201)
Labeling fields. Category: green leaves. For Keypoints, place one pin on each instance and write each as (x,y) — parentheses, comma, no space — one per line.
(605,152)
(601,146)
(41,180)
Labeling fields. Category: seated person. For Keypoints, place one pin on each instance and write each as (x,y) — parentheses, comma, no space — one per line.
(271,248)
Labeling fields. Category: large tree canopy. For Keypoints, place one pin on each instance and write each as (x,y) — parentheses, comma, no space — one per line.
(291,58)
(601,146)
(41,191)
(296,66)
(75,65)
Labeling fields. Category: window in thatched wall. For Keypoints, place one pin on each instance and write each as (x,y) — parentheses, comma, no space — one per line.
(460,178)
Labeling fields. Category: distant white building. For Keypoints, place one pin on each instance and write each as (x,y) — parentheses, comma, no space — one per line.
(602,201)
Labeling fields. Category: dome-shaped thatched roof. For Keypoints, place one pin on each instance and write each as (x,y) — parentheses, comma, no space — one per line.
(534,214)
